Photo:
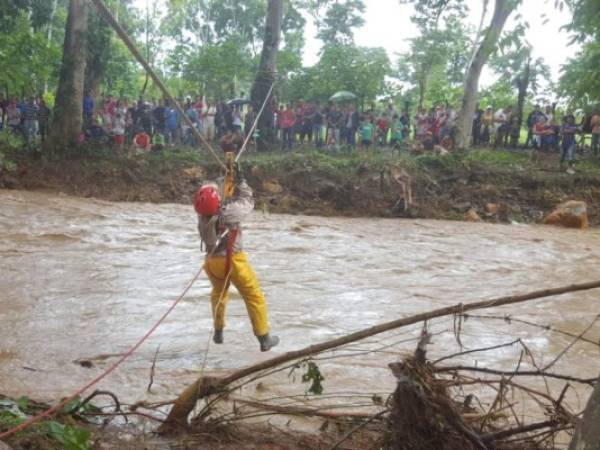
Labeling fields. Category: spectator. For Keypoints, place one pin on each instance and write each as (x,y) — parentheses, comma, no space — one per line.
(532,119)
(13,116)
(487,122)
(569,129)
(477,117)
(43,117)
(158,118)
(288,122)
(352,124)
(595,124)
(30,125)
(88,109)
(397,135)
(236,120)
(119,130)
(209,121)
(317,125)
(171,123)
(501,126)
(382,129)
(367,129)
(333,127)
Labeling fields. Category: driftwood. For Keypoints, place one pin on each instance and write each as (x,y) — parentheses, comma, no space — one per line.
(206,386)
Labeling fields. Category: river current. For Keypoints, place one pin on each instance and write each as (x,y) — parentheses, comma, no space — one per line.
(83,279)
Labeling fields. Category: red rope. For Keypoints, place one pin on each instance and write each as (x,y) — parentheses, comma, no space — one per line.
(107,372)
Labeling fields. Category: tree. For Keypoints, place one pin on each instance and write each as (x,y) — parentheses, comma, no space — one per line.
(68,111)
(515,65)
(336,20)
(436,51)
(579,80)
(267,72)
(502,9)
(361,70)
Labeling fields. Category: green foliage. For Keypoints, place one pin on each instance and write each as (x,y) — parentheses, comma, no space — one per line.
(360,70)
(71,438)
(314,377)
(14,412)
(25,52)
(438,55)
(579,80)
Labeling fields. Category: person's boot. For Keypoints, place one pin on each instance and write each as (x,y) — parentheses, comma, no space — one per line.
(267,342)
(218,337)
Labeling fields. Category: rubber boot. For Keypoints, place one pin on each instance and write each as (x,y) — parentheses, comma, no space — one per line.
(218,337)
(267,342)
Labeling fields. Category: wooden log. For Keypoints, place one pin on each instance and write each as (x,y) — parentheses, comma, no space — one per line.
(203,387)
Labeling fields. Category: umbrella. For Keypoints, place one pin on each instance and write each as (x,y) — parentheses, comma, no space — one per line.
(342,96)
(239,102)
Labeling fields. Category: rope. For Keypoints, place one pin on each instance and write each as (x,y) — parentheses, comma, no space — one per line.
(258,116)
(108,371)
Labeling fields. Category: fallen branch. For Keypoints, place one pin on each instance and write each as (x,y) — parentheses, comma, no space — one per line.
(301,411)
(525,373)
(206,386)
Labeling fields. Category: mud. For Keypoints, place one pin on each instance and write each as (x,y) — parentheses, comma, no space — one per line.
(442,188)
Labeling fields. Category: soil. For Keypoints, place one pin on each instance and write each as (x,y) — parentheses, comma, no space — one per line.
(310,183)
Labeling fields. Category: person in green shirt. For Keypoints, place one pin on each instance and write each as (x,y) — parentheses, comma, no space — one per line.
(397,136)
(366,133)
(158,141)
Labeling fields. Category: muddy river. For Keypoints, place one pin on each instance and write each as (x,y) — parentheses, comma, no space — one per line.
(84,279)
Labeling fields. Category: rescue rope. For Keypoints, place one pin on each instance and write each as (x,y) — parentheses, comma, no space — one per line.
(108,371)
(258,116)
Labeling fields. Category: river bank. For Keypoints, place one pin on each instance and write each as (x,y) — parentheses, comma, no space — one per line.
(500,186)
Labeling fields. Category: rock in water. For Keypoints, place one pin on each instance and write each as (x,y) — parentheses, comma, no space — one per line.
(472,216)
(272,187)
(492,208)
(571,214)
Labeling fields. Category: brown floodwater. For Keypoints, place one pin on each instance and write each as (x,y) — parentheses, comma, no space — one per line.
(84,279)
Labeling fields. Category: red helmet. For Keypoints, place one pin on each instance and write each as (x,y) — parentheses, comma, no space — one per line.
(207,201)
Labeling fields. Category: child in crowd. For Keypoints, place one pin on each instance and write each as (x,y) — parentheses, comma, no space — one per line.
(119,130)
(382,129)
(366,133)
(397,134)
(158,142)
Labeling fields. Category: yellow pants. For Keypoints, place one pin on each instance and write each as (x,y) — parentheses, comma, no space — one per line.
(245,281)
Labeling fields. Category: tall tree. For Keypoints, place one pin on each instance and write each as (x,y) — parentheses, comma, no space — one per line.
(68,110)
(336,20)
(267,72)
(502,9)
(515,65)
(580,81)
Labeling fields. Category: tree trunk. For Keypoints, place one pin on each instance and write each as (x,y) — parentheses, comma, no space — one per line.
(523,85)
(587,433)
(502,10)
(266,75)
(68,111)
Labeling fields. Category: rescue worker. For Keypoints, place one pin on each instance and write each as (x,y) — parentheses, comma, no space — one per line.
(226,261)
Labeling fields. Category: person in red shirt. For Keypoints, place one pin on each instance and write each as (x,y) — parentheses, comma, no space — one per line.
(382,129)
(142,141)
(288,122)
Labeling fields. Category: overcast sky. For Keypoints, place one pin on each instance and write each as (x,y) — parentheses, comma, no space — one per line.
(388,25)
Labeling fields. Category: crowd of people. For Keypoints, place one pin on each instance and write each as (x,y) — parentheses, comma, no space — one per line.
(149,124)
(333,126)
(545,132)
(28,117)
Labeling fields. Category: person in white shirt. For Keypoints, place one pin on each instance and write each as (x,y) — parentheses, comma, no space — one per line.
(209,121)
